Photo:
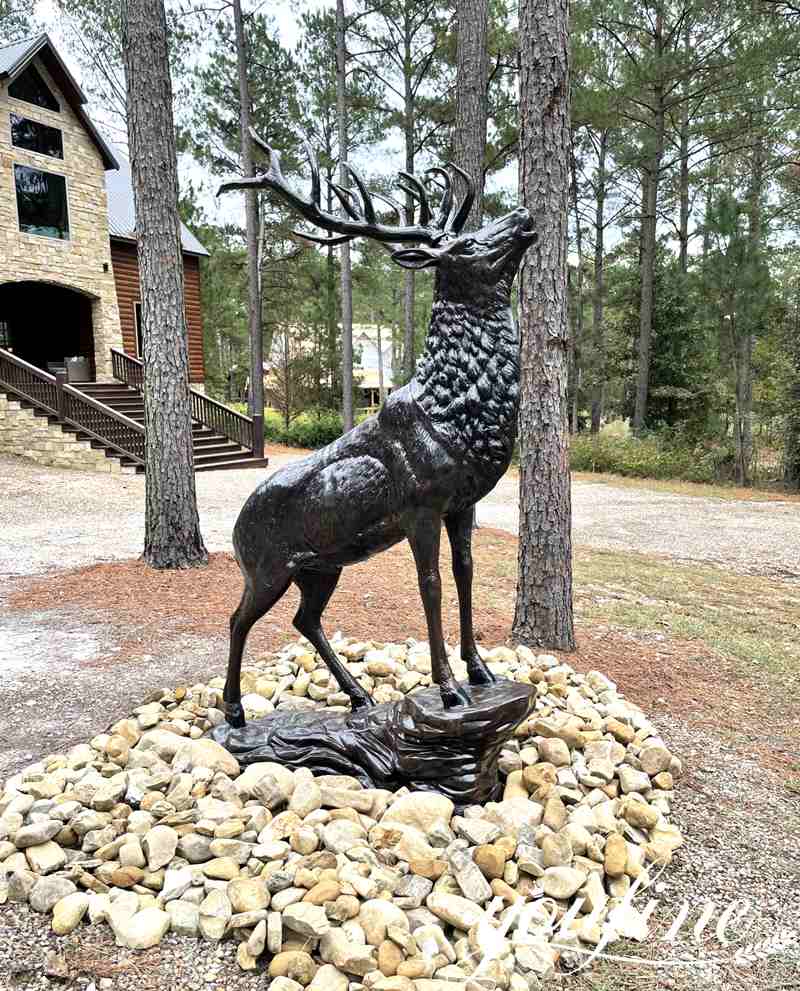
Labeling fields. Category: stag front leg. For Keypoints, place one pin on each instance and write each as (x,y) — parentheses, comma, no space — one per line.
(256,602)
(424,540)
(459,530)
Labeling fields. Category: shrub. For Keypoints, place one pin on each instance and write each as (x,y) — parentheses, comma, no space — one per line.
(654,456)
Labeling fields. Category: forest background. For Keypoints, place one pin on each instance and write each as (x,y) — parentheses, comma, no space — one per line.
(684,288)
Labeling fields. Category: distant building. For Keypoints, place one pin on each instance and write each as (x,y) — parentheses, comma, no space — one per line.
(368,362)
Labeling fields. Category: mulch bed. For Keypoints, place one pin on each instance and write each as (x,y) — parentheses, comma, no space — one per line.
(379,600)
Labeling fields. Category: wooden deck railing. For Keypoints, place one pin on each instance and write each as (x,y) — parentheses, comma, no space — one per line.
(28,382)
(222,419)
(53,395)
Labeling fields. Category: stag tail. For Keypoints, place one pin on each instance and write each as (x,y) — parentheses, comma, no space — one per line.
(358,217)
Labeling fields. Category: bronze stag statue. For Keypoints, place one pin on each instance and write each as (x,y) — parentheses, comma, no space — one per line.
(437,446)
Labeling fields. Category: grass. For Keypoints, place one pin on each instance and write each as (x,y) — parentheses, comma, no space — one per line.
(699,490)
(752,620)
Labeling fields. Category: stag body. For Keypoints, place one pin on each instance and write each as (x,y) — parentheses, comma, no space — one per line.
(436,447)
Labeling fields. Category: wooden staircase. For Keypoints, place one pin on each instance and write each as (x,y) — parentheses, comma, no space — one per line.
(212,451)
(110,416)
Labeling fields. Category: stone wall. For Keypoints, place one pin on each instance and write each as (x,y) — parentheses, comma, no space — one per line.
(77,263)
(29,436)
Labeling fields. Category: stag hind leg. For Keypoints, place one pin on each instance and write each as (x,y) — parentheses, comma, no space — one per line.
(256,602)
(316,588)
(459,530)
(425,539)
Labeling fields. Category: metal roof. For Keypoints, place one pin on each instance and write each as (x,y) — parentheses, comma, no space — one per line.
(121,214)
(12,55)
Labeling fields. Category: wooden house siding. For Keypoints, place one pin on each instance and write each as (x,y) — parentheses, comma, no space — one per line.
(126,276)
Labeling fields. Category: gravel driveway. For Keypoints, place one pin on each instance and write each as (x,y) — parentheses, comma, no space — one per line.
(753,537)
(53,518)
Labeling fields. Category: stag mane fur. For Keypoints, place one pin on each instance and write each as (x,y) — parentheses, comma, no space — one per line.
(468,379)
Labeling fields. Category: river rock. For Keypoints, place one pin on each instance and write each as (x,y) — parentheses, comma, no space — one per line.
(458,911)
(562,882)
(377,915)
(37,833)
(68,912)
(144,929)
(46,858)
(159,846)
(49,890)
(215,913)
(205,753)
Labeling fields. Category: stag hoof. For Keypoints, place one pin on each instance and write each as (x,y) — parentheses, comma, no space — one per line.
(479,674)
(454,695)
(234,714)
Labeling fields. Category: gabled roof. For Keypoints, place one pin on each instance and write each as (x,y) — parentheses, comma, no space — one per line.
(14,59)
(121,214)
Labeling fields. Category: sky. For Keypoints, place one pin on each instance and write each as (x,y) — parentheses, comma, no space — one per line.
(383,159)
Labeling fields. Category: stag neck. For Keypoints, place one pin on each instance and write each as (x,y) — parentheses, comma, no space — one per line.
(467,380)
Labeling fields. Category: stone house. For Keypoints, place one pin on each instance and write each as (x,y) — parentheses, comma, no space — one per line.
(69,275)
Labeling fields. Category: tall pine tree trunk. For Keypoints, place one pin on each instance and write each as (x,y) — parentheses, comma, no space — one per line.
(651,176)
(543,615)
(471,98)
(344,180)
(256,402)
(791,458)
(172,527)
(576,336)
(598,299)
(408,127)
(683,218)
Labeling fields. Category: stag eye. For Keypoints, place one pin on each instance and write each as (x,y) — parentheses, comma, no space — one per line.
(468,245)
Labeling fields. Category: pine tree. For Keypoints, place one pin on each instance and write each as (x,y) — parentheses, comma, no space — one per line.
(172,526)
(543,615)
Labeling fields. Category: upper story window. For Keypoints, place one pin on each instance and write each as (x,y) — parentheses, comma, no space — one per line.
(33,136)
(42,202)
(30,87)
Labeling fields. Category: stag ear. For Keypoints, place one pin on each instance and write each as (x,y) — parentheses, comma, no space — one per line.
(416,257)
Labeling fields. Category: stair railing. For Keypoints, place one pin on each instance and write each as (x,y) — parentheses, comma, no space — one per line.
(242,430)
(52,394)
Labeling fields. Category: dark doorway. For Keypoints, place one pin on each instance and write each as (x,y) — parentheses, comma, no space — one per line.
(44,324)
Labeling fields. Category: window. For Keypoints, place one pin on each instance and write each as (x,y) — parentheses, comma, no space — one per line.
(42,203)
(30,87)
(5,334)
(137,307)
(33,136)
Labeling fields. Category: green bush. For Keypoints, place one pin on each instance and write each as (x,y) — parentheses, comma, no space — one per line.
(649,457)
(314,428)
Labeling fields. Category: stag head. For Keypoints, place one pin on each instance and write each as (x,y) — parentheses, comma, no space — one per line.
(482,261)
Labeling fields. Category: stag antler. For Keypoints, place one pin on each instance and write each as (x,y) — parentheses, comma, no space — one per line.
(359,218)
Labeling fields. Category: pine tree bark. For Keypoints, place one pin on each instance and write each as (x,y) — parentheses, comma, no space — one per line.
(472,74)
(791,458)
(256,398)
(543,615)
(598,298)
(344,258)
(651,175)
(576,337)
(172,527)
(408,127)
